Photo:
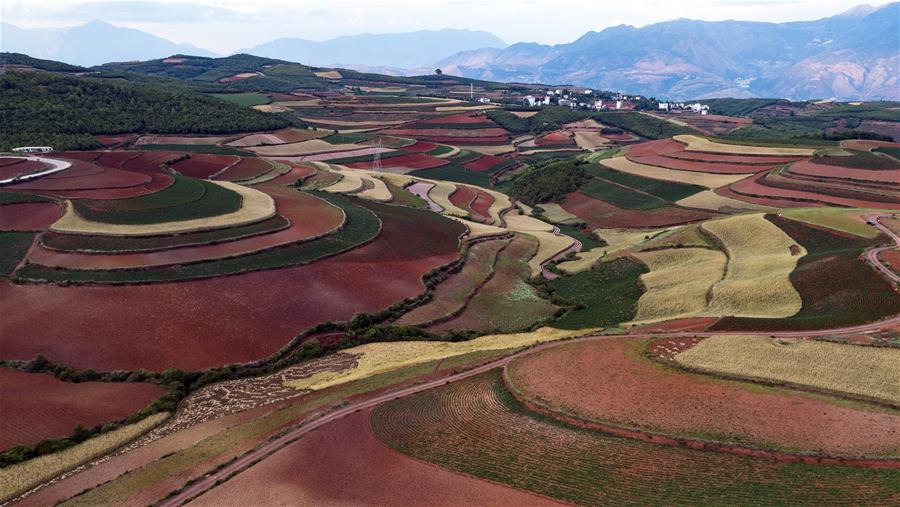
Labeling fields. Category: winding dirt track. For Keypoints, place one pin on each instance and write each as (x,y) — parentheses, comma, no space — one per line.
(872,255)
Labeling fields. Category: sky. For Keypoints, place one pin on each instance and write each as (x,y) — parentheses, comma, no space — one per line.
(226,26)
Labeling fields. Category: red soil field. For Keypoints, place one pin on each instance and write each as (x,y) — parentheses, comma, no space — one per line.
(554,139)
(411,161)
(754,187)
(484,163)
(5,161)
(691,165)
(201,165)
(29,216)
(610,381)
(765,201)
(297,172)
(601,214)
(149,162)
(892,259)
(462,118)
(202,323)
(248,167)
(470,141)
(445,132)
(420,147)
(482,205)
(114,139)
(867,145)
(20,167)
(37,406)
(335,467)
(463,196)
(87,156)
(114,159)
(310,218)
(110,178)
(674,149)
(809,168)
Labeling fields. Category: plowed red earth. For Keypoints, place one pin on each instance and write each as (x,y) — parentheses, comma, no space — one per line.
(459,118)
(420,147)
(484,163)
(29,216)
(112,140)
(754,187)
(335,467)
(462,197)
(674,149)
(891,258)
(453,133)
(601,214)
(298,172)
(482,205)
(248,167)
(149,162)
(109,178)
(766,201)
(37,406)
(554,139)
(201,165)
(114,159)
(611,381)
(310,218)
(469,141)
(202,323)
(20,167)
(411,161)
(691,165)
(809,168)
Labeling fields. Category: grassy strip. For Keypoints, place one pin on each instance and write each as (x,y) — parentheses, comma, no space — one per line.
(603,296)
(211,149)
(442,149)
(362,225)
(890,151)
(349,138)
(13,247)
(455,173)
(242,99)
(127,244)
(215,200)
(668,190)
(16,197)
(588,239)
(464,157)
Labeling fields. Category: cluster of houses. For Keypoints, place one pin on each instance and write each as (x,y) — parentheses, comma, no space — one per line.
(681,107)
(583,99)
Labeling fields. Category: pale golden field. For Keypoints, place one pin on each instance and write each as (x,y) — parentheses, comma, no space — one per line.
(549,244)
(708,180)
(272,108)
(756,282)
(299,103)
(524,114)
(558,215)
(842,219)
(477,230)
(588,140)
(19,478)
(328,74)
(255,206)
(696,143)
(382,357)
(710,200)
(359,182)
(490,150)
(678,282)
(303,148)
(617,240)
(866,371)
(383,89)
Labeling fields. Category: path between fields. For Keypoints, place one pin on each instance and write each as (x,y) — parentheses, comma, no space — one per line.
(872,255)
(237,466)
(55,167)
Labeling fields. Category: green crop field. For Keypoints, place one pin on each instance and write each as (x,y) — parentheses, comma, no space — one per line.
(622,197)
(13,247)
(455,173)
(605,295)
(669,190)
(243,99)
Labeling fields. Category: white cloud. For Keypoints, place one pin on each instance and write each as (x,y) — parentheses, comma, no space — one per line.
(228,25)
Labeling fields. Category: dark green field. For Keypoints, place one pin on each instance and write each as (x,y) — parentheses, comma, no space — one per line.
(605,295)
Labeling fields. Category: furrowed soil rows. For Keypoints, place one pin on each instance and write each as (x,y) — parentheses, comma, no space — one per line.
(37,406)
(611,381)
(474,426)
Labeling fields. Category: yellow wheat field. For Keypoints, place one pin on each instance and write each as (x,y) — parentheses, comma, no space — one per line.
(696,143)
(710,200)
(589,140)
(378,358)
(17,479)
(255,206)
(328,74)
(760,260)
(478,230)
(866,371)
(558,215)
(549,244)
(678,282)
(616,240)
(304,148)
(850,220)
(708,180)
(356,181)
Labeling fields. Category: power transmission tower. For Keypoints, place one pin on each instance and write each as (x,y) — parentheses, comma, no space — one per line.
(376,160)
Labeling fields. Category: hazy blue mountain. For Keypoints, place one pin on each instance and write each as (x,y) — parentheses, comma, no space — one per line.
(91,44)
(855,55)
(400,50)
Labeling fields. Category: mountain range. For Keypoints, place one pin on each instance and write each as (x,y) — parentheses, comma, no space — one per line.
(854,55)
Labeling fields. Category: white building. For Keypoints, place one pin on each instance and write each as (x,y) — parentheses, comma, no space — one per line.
(33,149)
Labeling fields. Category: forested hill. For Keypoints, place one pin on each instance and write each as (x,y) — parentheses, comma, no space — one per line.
(63,111)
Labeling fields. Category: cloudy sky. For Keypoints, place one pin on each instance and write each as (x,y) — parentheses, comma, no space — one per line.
(225,26)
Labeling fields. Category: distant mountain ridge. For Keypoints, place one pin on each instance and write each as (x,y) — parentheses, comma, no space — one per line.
(91,44)
(407,50)
(854,55)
